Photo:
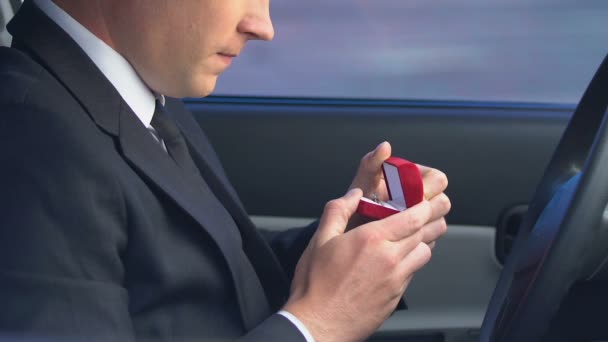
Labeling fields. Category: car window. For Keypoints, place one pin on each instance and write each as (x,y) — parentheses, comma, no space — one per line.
(481,50)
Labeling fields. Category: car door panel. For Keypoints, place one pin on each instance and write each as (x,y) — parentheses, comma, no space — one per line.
(299,153)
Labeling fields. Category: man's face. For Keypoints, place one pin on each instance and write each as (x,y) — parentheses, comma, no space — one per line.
(179,47)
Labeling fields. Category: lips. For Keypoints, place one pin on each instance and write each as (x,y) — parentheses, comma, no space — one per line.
(227,54)
(226,58)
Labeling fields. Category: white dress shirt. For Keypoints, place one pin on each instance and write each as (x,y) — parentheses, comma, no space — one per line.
(126,81)
(115,67)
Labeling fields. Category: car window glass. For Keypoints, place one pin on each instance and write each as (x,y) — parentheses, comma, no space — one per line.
(487,50)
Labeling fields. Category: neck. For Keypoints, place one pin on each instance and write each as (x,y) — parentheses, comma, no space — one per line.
(89,14)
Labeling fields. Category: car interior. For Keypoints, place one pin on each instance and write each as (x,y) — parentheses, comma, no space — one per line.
(525,257)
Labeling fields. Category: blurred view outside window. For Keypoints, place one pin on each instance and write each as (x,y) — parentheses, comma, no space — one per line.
(487,50)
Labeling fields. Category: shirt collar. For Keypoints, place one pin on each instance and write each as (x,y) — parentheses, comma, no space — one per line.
(114,66)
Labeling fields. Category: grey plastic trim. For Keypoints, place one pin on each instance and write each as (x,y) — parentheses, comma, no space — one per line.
(280,223)
(6,13)
(451,293)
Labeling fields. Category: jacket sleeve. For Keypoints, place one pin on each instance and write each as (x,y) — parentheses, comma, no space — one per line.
(289,245)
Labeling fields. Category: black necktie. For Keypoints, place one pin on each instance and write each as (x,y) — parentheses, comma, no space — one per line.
(174,140)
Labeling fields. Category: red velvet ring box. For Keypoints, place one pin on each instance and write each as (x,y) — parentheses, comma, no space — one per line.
(404,184)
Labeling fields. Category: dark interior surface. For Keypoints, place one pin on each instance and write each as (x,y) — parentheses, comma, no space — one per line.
(582,316)
(298,154)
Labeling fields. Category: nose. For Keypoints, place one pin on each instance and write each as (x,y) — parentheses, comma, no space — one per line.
(257,25)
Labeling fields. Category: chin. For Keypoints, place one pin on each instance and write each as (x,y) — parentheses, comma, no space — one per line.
(195,88)
(202,87)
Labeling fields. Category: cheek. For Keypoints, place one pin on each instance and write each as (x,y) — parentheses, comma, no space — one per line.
(194,39)
(189,44)
(195,78)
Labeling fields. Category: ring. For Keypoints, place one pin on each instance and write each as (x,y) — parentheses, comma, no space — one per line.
(375,197)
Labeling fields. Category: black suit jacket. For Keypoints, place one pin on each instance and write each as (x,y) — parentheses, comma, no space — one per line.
(101,235)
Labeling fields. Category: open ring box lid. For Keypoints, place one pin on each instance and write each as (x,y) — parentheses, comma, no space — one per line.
(404,184)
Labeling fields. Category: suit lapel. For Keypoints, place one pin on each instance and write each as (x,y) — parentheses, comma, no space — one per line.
(33,31)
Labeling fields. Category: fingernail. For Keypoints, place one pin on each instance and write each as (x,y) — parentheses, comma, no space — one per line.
(379,145)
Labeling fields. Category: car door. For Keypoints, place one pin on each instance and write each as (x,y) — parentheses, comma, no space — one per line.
(480,90)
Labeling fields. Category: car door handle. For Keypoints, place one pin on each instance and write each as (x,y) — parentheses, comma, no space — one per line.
(507,229)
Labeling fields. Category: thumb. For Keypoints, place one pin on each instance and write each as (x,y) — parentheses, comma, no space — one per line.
(378,156)
(369,174)
(336,215)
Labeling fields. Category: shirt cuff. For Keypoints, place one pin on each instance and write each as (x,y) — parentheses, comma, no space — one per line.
(301,327)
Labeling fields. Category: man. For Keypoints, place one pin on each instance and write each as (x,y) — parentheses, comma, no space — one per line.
(118,221)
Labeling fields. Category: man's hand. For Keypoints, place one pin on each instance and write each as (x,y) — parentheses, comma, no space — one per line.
(347,283)
(370,179)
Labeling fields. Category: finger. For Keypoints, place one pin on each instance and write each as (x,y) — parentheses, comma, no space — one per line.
(336,215)
(440,206)
(424,169)
(357,220)
(434,181)
(369,174)
(401,225)
(372,162)
(401,292)
(406,284)
(374,170)
(434,230)
(405,246)
(415,260)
